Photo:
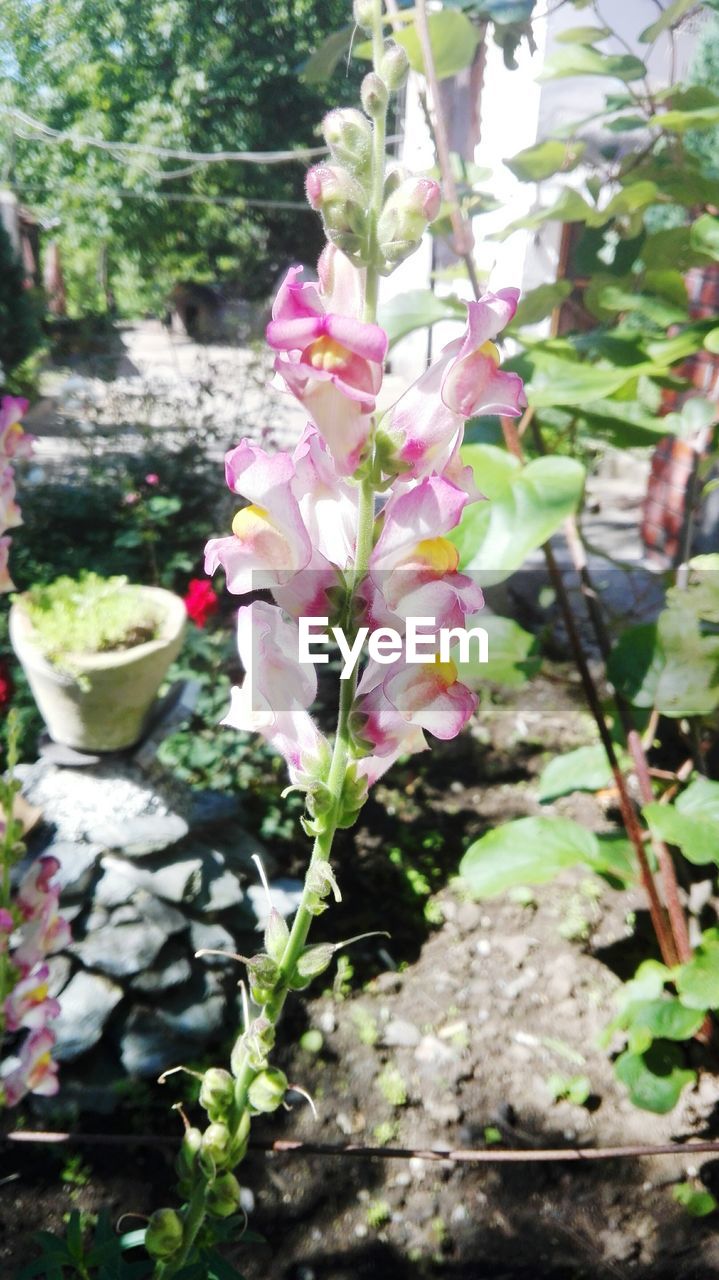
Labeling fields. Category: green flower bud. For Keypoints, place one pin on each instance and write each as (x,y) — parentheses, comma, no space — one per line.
(341,200)
(217,1092)
(314,960)
(223,1197)
(276,936)
(348,135)
(264,975)
(374,95)
(394,67)
(395,175)
(164,1233)
(267,1090)
(215,1144)
(405,217)
(187,1155)
(363,14)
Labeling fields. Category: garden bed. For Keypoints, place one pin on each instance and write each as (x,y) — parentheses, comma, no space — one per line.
(455,1032)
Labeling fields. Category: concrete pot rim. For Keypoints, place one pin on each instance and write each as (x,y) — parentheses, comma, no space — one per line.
(173,621)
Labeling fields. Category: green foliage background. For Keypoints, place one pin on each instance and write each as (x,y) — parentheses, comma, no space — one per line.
(216,75)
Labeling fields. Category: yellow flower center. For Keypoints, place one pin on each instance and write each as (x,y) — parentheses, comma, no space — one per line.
(327,354)
(39,993)
(444,671)
(255,528)
(489,349)
(437,553)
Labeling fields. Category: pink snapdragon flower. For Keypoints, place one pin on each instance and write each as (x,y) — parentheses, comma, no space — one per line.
(296,532)
(413,565)
(425,425)
(28,1004)
(331,362)
(14,441)
(33,1071)
(277,688)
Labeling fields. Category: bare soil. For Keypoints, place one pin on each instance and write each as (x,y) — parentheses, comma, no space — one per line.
(447,1038)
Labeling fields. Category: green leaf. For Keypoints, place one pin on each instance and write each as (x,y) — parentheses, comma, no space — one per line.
(454,40)
(669,18)
(540,302)
(680,121)
(417,309)
(528,851)
(655,1078)
(570,207)
(583,60)
(673,244)
(666,1018)
(513,656)
(635,664)
(334,48)
(541,161)
(582,35)
(698,1202)
(584,769)
(555,381)
(698,838)
(711,342)
(704,234)
(697,981)
(527,505)
(616,858)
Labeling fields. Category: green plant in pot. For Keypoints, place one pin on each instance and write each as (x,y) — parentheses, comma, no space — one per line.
(95,651)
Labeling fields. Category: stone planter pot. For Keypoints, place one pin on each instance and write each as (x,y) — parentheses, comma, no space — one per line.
(104,708)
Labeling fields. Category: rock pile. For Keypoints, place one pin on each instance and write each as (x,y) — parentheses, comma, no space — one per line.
(149,876)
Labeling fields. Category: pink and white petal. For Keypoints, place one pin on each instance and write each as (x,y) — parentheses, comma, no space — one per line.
(487,317)
(268,645)
(427,511)
(340,420)
(297,299)
(475,385)
(342,285)
(423,696)
(328,505)
(374,766)
(366,340)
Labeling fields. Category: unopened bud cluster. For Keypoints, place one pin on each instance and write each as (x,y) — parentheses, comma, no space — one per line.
(340,190)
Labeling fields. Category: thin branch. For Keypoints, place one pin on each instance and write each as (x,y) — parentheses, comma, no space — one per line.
(357,1151)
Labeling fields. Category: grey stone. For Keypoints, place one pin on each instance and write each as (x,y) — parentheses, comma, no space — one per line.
(220,886)
(77,864)
(179,880)
(171,969)
(122,949)
(85,1005)
(285,892)
(238,849)
(401,1034)
(154,1039)
(213,937)
(469,916)
(138,837)
(60,968)
(146,1048)
(209,808)
(144,907)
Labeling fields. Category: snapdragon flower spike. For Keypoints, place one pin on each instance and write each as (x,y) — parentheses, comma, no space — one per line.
(277,690)
(424,427)
(332,363)
(413,565)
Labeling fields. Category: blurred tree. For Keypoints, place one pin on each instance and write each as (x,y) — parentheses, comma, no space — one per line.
(220,75)
(19,330)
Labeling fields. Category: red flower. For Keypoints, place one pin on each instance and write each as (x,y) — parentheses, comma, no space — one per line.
(201,601)
(6,685)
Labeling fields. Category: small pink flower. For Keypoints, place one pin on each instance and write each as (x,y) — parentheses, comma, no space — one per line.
(152,479)
(130,499)
(14,442)
(426,423)
(35,1071)
(331,363)
(35,887)
(277,688)
(28,1004)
